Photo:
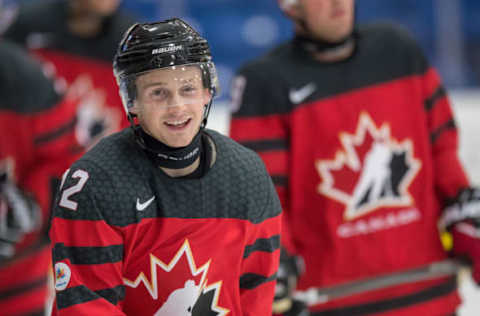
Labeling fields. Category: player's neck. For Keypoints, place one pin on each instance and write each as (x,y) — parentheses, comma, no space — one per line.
(175,173)
(323,50)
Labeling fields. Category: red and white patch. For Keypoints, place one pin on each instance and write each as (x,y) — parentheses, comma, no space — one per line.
(370,171)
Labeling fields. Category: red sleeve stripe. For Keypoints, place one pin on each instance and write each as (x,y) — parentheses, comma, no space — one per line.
(263,244)
(277,144)
(261,263)
(24,288)
(250,281)
(104,234)
(96,276)
(88,255)
(275,161)
(449,125)
(81,294)
(431,101)
(272,126)
(50,136)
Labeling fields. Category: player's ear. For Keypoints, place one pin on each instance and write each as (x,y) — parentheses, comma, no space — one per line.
(135,108)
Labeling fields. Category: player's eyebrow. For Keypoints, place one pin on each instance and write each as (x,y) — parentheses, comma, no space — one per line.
(155,83)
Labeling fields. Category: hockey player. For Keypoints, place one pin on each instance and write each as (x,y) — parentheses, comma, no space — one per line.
(358,135)
(37,140)
(77,40)
(166,217)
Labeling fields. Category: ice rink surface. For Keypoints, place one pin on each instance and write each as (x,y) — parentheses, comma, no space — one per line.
(467,113)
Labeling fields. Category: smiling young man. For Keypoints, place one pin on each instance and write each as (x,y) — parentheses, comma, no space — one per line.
(166,217)
(358,135)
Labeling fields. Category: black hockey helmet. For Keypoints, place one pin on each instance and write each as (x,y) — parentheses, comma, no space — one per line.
(150,46)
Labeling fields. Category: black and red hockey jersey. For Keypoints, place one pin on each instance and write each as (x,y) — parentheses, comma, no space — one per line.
(129,240)
(363,153)
(83,65)
(37,143)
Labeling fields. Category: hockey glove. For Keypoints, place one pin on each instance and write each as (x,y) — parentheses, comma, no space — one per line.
(19,215)
(462,219)
(289,270)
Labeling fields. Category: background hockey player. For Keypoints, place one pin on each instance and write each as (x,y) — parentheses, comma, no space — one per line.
(167,206)
(77,40)
(320,110)
(37,141)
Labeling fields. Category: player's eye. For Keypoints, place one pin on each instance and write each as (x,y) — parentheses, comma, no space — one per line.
(188,90)
(158,94)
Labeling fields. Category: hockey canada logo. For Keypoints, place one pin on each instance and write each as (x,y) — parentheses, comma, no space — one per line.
(372,170)
(189,293)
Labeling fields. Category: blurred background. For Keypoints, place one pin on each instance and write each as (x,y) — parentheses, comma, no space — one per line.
(448,31)
(238,30)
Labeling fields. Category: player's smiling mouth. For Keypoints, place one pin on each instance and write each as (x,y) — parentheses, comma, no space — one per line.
(178,124)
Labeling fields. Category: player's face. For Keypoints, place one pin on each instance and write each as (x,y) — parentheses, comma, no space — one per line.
(170,104)
(329,20)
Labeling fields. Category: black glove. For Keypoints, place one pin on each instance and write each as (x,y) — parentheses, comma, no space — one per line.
(19,215)
(289,270)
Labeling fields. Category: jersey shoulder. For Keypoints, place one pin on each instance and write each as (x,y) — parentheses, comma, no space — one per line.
(114,172)
(268,63)
(236,153)
(36,16)
(25,89)
(395,43)
(242,176)
(44,24)
(261,85)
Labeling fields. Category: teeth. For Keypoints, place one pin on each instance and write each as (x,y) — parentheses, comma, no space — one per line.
(175,123)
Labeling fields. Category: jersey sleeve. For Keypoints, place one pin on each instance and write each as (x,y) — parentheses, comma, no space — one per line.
(87,250)
(450,176)
(261,258)
(55,148)
(258,123)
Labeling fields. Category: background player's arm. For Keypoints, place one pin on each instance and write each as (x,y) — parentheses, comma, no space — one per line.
(261,257)
(87,250)
(461,201)
(450,176)
(258,123)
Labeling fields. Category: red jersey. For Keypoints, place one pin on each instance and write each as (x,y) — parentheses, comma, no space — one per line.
(129,240)
(83,65)
(37,143)
(363,153)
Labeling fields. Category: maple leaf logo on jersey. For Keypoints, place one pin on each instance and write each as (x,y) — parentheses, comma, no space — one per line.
(190,292)
(373,170)
(94,118)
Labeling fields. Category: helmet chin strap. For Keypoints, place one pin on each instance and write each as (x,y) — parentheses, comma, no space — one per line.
(206,113)
(164,155)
